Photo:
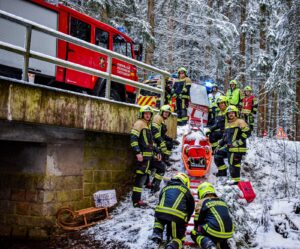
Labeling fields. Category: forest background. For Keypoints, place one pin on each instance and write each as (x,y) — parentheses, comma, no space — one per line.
(255,42)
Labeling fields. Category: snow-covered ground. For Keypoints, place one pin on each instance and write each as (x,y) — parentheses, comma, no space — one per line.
(268,222)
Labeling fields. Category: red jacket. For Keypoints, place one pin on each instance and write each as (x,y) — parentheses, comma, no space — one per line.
(249,105)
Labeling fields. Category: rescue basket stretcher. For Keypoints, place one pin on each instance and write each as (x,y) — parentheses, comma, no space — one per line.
(196,155)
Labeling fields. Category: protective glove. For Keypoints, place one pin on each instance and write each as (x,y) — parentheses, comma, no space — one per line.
(194,235)
(184,90)
(207,132)
(223,148)
(180,96)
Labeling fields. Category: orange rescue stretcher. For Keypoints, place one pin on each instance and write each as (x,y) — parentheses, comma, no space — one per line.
(196,156)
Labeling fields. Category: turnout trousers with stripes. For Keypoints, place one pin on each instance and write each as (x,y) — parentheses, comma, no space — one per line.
(181,110)
(234,160)
(175,232)
(142,173)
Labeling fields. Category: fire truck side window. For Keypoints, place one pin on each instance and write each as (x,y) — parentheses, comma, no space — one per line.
(119,45)
(80,29)
(129,51)
(101,38)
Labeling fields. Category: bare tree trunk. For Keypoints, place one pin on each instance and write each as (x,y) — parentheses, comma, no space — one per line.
(208,47)
(298,105)
(151,46)
(242,42)
(262,106)
(274,111)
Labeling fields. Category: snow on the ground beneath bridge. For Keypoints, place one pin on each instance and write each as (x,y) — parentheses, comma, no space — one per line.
(270,221)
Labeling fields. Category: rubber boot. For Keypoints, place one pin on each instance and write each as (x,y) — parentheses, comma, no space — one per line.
(207,243)
(157,236)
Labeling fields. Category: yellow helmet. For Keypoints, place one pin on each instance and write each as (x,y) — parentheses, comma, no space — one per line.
(165,108)
(222,99)
(232,108)
(145,108)
(233,82)
(183,178)
(204,189)
(248,88)
(182,69)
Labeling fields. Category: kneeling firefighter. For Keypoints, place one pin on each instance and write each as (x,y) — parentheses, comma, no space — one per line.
(174,210)
(212,224)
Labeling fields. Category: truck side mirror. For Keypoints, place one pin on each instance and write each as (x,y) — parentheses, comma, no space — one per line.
(138,51)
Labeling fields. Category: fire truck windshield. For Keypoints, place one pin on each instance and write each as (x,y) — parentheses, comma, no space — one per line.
(121,46)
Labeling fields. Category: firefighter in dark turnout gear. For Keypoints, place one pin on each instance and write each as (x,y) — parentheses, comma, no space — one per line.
(159,130)
(232,145)
(213,224)
(216,131)
(142,144)
(249,107)
(174,210)
(181,91)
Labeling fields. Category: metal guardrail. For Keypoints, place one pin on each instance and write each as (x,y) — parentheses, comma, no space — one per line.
(27,53)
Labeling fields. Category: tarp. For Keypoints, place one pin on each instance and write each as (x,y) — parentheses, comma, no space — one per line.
(198,108)
(199,95)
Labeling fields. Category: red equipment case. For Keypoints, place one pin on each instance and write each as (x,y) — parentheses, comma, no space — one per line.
(247,190)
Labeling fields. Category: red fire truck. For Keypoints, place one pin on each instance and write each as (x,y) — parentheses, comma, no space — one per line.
(74,23)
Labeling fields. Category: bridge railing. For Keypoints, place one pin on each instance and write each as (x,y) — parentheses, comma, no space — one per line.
(27,53)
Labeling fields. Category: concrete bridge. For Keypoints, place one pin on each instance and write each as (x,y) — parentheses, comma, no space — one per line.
(56,149)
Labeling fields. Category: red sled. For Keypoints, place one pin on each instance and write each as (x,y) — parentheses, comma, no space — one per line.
(247,190)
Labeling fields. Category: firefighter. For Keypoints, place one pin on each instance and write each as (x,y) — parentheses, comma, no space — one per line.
(249,107)
(216,131)
(159,130)
(174,210)
(213,107)
(181,91)
(168,88)
(234,94)
(232,145)
(212,224)
(142,144)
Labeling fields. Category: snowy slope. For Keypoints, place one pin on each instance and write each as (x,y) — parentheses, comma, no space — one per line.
(272,168)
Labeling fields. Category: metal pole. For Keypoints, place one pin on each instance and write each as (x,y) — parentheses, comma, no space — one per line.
(108,81)
(138,91)
(27,53)
(163,87)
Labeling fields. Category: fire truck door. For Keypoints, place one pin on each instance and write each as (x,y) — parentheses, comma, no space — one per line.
(79,55)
